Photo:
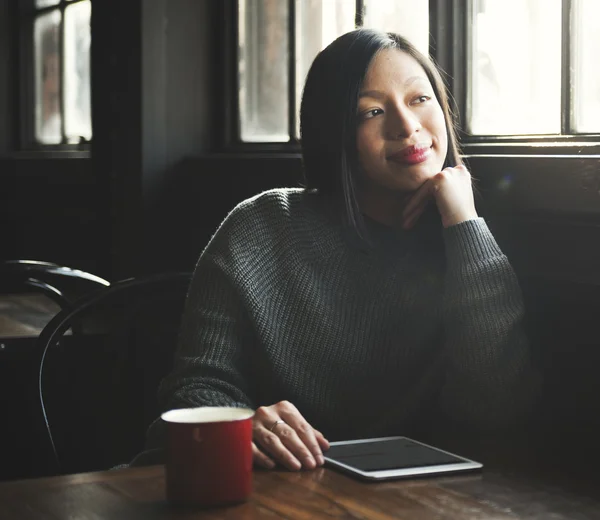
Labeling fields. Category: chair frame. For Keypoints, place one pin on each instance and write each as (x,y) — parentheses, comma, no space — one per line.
(56,328)
(33,272)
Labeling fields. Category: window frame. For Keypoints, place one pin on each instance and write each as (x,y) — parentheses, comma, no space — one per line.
(449,46)
(535,144)
(27,142)
(232,132)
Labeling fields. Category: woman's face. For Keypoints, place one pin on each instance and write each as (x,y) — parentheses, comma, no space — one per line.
(401,132)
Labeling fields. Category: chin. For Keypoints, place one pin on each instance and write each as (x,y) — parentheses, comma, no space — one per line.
(417,180)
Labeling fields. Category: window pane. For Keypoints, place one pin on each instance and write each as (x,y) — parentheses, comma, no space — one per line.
(47,78)
(318,23)
(45,3)
(409,18)
(515,67)
(78,121)
(586,74)
(263,70)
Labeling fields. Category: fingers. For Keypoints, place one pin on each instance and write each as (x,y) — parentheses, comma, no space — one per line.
(292,443)
(305,434)
(417,204)
(453,194)
(268,443)
(454,197)
(323,442)
(261,459)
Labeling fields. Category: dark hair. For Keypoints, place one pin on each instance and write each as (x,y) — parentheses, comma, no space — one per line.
(328,113)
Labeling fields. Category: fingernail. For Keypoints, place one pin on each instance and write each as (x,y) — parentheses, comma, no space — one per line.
(270,464)
(320,460)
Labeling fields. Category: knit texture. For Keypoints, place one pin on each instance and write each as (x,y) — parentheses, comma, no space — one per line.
(365,340)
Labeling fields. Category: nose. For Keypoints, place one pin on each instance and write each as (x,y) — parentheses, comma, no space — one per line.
(403,123)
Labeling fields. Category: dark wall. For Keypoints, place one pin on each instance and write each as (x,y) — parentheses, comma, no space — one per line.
(153,105)
(545,214)
(50,211)
(6,86)
(202,190)
(546,210)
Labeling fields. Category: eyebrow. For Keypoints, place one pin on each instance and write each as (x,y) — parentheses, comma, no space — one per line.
(376,94)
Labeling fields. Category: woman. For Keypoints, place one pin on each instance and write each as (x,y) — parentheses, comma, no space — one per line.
(375,301)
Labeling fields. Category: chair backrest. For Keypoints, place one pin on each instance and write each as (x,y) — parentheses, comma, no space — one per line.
(98,387)
(60,283)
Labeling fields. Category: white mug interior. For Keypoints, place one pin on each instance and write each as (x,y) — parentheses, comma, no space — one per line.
(207,414)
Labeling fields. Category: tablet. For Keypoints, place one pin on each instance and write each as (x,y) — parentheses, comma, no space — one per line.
(394,457)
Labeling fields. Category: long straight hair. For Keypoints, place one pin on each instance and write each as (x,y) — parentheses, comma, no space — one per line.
(328,114)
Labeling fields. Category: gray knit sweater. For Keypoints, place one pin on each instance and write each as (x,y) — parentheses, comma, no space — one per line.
(365,340)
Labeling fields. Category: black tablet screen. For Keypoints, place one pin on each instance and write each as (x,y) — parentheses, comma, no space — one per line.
(389,454)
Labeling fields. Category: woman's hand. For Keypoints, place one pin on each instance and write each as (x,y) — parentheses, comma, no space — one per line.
(453,194)
(281,435)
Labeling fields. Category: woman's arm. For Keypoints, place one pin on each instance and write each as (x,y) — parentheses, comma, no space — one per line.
(218,348)
(211,363)
(211,366)
(490,382)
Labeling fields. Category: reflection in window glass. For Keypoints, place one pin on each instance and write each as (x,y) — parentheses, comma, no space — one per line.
(318,23)
(263,70)
(77,101)
(405,17)
(47,78)
(45,3)
(515,67)
(586,74)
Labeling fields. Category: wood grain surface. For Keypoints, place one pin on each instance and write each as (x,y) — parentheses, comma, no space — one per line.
(139,493)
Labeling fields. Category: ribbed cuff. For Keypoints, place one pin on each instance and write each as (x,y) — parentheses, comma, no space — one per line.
(470,241)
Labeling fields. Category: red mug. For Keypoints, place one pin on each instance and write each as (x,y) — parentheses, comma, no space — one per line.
(209,455)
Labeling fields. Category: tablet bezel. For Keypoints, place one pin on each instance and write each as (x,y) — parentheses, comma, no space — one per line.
(465,465)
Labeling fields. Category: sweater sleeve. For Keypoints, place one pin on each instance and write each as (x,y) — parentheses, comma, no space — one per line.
(210,366)
(215,341)
(490,382)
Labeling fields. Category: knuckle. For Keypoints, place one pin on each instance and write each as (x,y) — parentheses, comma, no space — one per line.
(287,407)
(303,427)
(269,439)
(261,411)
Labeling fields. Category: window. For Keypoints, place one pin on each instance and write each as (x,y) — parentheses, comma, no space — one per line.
(533,68)
(278,40)
(59,104)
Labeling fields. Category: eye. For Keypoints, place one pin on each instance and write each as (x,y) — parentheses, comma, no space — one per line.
(421,99)
(371,113)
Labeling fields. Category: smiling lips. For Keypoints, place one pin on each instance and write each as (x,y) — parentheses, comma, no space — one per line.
(414,154)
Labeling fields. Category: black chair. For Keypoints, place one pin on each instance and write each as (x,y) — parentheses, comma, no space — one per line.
(98,388)
(60,283)
(33,291)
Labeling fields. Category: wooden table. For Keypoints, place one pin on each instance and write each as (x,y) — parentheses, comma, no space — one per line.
(25,315)
(138,493)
